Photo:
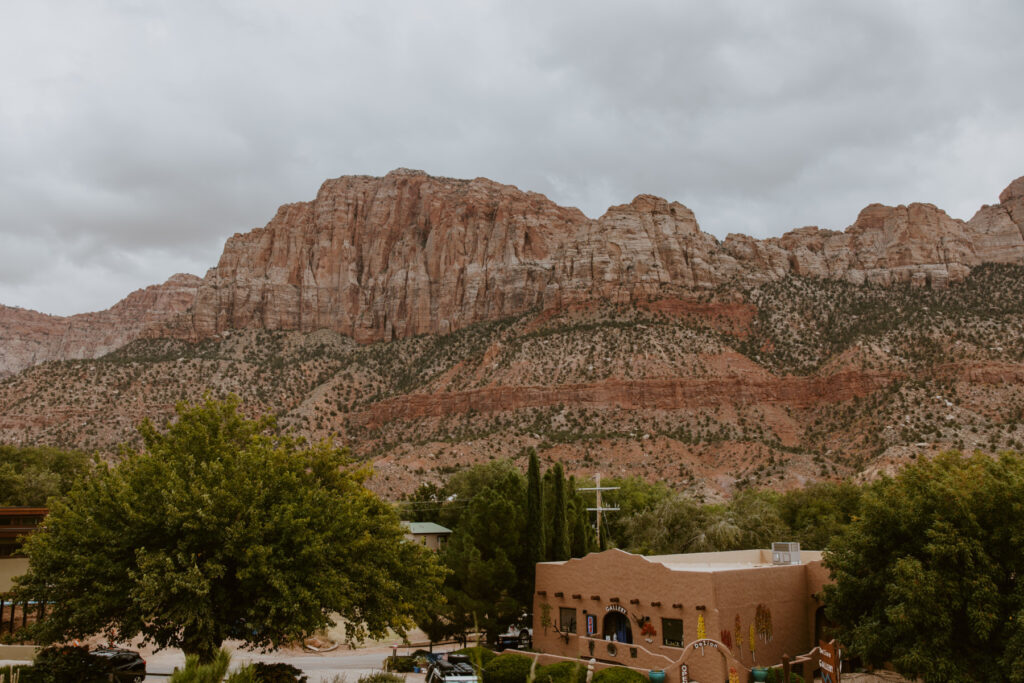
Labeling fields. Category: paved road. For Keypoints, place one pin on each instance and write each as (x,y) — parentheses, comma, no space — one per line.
(321,668)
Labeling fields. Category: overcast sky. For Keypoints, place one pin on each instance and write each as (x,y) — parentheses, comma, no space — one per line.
(136,136)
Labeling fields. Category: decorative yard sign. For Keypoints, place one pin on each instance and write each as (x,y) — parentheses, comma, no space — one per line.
(828,662)
(703,643)
(706,642)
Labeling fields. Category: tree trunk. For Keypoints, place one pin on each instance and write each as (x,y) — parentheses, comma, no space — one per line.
(203,645)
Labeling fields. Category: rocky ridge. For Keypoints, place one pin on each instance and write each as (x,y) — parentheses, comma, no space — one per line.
(407,254)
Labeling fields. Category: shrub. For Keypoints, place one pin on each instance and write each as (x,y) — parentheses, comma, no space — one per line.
(508,668)
(194,672)
(402,665)
(775,676)
(619,674)
(245,674)
(7,673)
(278,672)
(562,672)
(61,663)
(479,655)
(380,677)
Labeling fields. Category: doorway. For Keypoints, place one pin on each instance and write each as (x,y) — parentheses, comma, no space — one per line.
(616,627)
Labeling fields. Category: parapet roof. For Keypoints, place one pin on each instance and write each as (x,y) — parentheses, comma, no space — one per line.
(728,560)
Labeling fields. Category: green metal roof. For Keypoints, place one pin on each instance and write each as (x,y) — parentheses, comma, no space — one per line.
(425,528)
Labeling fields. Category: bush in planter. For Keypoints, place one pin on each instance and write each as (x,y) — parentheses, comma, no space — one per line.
(619,674)
(508,668)
(562,672)
(479,655)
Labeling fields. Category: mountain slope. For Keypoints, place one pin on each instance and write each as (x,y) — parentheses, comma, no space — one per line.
(777,383)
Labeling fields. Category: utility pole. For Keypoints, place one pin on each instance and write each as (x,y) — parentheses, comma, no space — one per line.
(599,509)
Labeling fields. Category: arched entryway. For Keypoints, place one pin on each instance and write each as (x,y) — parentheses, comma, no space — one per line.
(822,626)
(616,627)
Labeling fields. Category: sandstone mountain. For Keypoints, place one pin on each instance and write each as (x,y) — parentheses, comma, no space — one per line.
(431,322)
(388,258)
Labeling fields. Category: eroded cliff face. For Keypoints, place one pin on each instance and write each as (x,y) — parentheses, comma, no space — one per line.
(409,254)
(28,338)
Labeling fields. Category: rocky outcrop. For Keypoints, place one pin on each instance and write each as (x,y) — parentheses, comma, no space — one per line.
(28,337)
(408,254)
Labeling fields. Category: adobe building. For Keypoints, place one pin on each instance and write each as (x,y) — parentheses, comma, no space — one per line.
(698,617)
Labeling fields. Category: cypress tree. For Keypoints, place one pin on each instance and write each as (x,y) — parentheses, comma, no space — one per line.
(534,512)
(580,537)
(560,532)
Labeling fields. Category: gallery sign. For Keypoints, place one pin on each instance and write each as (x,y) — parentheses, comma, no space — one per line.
(828,662)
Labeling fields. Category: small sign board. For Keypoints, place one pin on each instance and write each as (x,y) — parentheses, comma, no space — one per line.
(684,674)
(706,642)
(828,662)
(591,624)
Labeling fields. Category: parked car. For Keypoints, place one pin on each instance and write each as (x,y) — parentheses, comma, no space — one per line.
(519,635)
(452,668)
(523,640)
(126,665)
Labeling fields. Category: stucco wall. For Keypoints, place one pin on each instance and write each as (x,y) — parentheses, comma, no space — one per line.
(9,568)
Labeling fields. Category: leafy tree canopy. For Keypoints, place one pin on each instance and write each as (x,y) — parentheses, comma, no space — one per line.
(31,475)
(818,513)
(928,575)
(486,552)
(222,528)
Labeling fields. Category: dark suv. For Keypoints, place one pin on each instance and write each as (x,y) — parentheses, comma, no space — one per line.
(125,665)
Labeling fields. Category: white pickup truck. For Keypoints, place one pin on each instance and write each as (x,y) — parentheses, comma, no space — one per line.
(452,668)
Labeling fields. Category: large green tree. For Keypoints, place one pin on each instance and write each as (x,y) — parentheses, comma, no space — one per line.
(491,577)
(818,513)
(928,575)
(223,528)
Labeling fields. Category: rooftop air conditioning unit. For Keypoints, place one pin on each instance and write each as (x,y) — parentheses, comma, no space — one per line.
(785,553)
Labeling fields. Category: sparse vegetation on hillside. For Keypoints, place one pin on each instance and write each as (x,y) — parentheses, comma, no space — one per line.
(794,380)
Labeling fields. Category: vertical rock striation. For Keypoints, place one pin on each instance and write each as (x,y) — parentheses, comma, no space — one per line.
(409,254)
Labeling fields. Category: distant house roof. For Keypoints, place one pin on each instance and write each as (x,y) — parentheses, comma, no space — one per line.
(425,528)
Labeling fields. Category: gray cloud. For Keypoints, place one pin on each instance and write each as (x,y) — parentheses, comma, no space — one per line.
(135,137)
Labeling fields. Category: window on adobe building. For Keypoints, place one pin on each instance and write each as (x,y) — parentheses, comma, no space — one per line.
(672,632)
(567,619)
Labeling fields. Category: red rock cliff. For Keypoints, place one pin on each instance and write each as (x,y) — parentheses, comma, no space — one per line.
(407,254)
